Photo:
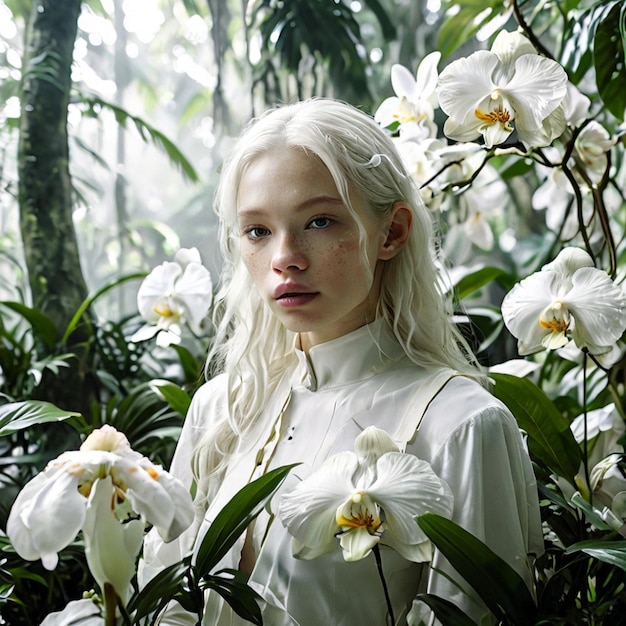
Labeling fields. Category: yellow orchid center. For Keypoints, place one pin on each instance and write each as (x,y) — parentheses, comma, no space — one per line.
(555,318)
(359,511)
(164,310)
(499,115)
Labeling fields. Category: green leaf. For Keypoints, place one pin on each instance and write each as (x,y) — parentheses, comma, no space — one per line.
(159,590)
(92,298)
(461,24)
(233,587)
(42,325)
(176,397)
(501,588)
(611,552)
(146,131)
(549,436)
(191,366)
(19,415)
(446,612)
(235,517)
(610,62)
(476,280)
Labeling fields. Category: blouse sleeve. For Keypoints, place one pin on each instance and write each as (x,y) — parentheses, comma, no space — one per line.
(474,444)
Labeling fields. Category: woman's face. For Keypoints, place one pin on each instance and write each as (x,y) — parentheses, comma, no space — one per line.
(302,249)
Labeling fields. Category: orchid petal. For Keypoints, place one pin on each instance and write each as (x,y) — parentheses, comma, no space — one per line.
(157,496)
(509,46)
(405,488)
(599,308)
(111,548)
(427,75)
(77,612)
(194,289)
(387,113)
(522,308)
(465,83)
(308,511)
(403,83)
(357,543)
(159,283)
(537,87)
(185,256)
(372,443)
(569,260)
(46,516)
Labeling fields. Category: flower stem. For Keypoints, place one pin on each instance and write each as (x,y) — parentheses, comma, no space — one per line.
(110,604)
(379,565)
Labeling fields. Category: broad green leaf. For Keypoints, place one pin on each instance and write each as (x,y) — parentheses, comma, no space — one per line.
(549,436)
(610,62)
(176,397)
(19,415)
(501,588)
(235,517)
(446,612)
(611,552)
(577,55)
(42,326)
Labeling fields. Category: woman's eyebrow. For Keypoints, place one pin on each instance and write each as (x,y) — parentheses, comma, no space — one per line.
(302,206)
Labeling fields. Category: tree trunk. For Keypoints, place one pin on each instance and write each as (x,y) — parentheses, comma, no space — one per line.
(45,191)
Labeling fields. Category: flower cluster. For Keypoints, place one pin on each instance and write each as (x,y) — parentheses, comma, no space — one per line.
(506,99)
(365,497)
(108,491)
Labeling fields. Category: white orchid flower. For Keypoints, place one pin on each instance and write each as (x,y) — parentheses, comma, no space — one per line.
(592,144)
(415,100)
(365,497)
(175,291)
(108,491)
(568,299)
(608,484)
(604,429)
(511,87)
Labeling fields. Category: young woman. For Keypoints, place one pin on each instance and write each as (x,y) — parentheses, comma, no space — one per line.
(332,317)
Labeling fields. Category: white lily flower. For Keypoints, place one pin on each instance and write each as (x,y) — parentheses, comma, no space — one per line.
(415,100)
(102,484)
(176,290)
(511,87)
(568,299)
(365,497)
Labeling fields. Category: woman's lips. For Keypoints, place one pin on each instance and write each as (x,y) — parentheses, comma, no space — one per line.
(289,300)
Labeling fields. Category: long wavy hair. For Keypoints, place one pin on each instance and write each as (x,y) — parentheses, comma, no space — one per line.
(251,346)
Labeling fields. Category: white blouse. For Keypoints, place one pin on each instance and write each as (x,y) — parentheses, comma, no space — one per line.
(341,387)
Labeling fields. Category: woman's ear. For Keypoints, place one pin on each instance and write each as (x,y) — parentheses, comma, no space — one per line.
(397,231)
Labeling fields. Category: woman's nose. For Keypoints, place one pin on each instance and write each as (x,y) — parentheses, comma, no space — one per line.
(289,254)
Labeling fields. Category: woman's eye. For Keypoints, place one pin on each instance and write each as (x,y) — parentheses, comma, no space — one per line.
(320,222)
(256,232)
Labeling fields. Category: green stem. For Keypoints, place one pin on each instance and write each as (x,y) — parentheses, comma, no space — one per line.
(379,565)
(110,604)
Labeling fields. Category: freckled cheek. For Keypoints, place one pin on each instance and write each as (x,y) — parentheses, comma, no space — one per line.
(253,263)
